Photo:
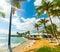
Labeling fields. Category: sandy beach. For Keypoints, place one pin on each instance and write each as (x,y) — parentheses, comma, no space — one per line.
(36,44)
(20,47)
(32,45)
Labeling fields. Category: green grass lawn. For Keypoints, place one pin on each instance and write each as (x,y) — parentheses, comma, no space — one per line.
(48,49)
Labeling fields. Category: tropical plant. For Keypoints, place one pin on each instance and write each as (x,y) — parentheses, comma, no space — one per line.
(37,26)
(56,4)
(46,6)
(55,12)
(55,9)
(43,22)
(49,29)
(28,32)
(2,13)
(14,4)
(55,30)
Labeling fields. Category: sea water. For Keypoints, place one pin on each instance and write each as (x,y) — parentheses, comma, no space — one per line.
(15,41)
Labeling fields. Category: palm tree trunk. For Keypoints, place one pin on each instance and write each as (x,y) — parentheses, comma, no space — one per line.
(53,31)
(37,30)
(46,31)
(9,38)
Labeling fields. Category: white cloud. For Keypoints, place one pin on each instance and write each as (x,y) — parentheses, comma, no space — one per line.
(5,19)
(4,5)
(26,25)
(6,10)
(37,2)
(49,0)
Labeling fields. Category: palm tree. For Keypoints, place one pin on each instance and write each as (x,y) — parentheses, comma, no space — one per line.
(16,4)
(50,29)
(56,4)
(46,6)
(43,22)
(37,27)
(28,32)
(55,12)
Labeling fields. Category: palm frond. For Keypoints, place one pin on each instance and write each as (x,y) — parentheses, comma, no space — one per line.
(37,15)
(43,21)
(2,14)
(16,4)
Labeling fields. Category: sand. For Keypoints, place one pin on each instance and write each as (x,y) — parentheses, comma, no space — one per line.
(37,44)
(32,45)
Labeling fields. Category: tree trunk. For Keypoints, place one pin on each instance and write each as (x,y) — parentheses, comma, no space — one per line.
(53,31)
(37,30)
(46,31)
(9,38)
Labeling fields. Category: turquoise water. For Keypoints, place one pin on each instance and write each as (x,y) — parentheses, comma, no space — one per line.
(14,41)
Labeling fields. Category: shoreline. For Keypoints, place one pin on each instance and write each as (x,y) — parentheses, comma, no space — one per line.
(32,45)
(13,45)
(24,46)
(6,50)
(36,45)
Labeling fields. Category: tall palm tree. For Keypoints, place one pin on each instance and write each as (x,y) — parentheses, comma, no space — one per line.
(16,4)
(43,22)
(37,27)
(55,9)
(55,30)
(46,6)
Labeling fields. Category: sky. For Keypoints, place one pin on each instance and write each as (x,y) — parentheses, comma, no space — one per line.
(23,19)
